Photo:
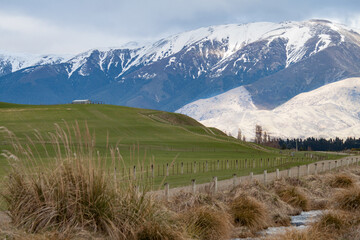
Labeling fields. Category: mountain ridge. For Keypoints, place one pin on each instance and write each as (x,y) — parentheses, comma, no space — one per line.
(267,58)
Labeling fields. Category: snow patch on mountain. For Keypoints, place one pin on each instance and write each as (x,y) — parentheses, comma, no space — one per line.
(19,61)
(329,111)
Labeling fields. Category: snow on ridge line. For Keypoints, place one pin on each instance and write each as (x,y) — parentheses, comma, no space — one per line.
(330,111)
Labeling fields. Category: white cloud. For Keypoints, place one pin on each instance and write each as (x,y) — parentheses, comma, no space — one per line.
(28,34)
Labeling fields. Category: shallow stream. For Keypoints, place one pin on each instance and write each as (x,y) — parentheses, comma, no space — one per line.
(298,222)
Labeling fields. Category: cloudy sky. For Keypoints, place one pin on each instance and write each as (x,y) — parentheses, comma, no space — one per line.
(72,26)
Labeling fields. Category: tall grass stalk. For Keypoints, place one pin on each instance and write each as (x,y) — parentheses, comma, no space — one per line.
(60,182)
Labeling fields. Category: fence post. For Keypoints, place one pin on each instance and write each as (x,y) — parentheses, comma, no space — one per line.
(298,173)
(167,169)
(277,174)
(289,172)
(195,167)
(265,176)
(254,164)
(329,163)
(234,180)
(341,163)
(251,176)
(215,184)
(323,167)
(167,191)
(237,164)
(182,168)
(218,165)
(134,172)
(261,162)
(245,163)
(193,183)
(336,165)
(307,169)
(152,171)
(207,168)
(227,164)
(315,168)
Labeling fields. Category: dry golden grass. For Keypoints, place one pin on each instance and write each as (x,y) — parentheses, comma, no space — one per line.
(294,196)
(297,235)
(207,223)
(77,193)
(347,199)
(341,180)
(249,212)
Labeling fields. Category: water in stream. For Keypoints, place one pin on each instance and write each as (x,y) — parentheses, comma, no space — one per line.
(299,222)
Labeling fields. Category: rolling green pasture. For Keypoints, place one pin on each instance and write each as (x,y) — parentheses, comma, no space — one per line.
(143,136)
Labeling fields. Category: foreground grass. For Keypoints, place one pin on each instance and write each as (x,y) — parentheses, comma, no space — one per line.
(76,196)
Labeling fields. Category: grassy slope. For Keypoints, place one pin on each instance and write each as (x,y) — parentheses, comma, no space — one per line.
(154,134)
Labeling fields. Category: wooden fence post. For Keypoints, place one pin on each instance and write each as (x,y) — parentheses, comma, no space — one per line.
(182,168)
(167,169)
(307,169)
(167,189)
(265,176)
(234,180)
(251,176)
(215,184)
(193,183)
(315,168)
(277,174)
(323,167)
(152,171)
(134,172)
(289,172)
(298,173)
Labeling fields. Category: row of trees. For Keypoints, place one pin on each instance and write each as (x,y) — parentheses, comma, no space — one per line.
(310,144)
(320,144)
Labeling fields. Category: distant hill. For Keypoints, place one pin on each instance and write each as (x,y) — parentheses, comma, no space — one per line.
(330,111)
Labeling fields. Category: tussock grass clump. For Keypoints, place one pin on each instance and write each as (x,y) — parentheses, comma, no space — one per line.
(207,223)
(341,181)
(332,222)
(294,196)
(348,199)
(249,212)
(77,192)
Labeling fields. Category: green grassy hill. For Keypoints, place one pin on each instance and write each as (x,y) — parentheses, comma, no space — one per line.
(153,134)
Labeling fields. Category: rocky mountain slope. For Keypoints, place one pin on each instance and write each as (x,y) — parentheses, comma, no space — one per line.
(273,61)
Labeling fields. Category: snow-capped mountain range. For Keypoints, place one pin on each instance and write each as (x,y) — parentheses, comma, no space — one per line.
(329,111)
(271,62)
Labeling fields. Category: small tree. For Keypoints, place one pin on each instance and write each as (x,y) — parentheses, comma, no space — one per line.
(258,134)
(265,137)
(239,134)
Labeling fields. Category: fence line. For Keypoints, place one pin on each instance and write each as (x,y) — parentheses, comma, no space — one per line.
(166,169)
(265,177)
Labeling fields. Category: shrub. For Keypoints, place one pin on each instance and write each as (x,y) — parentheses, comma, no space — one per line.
(207,223)
(294,197)
(341,181)
(348,199)
(249,212)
